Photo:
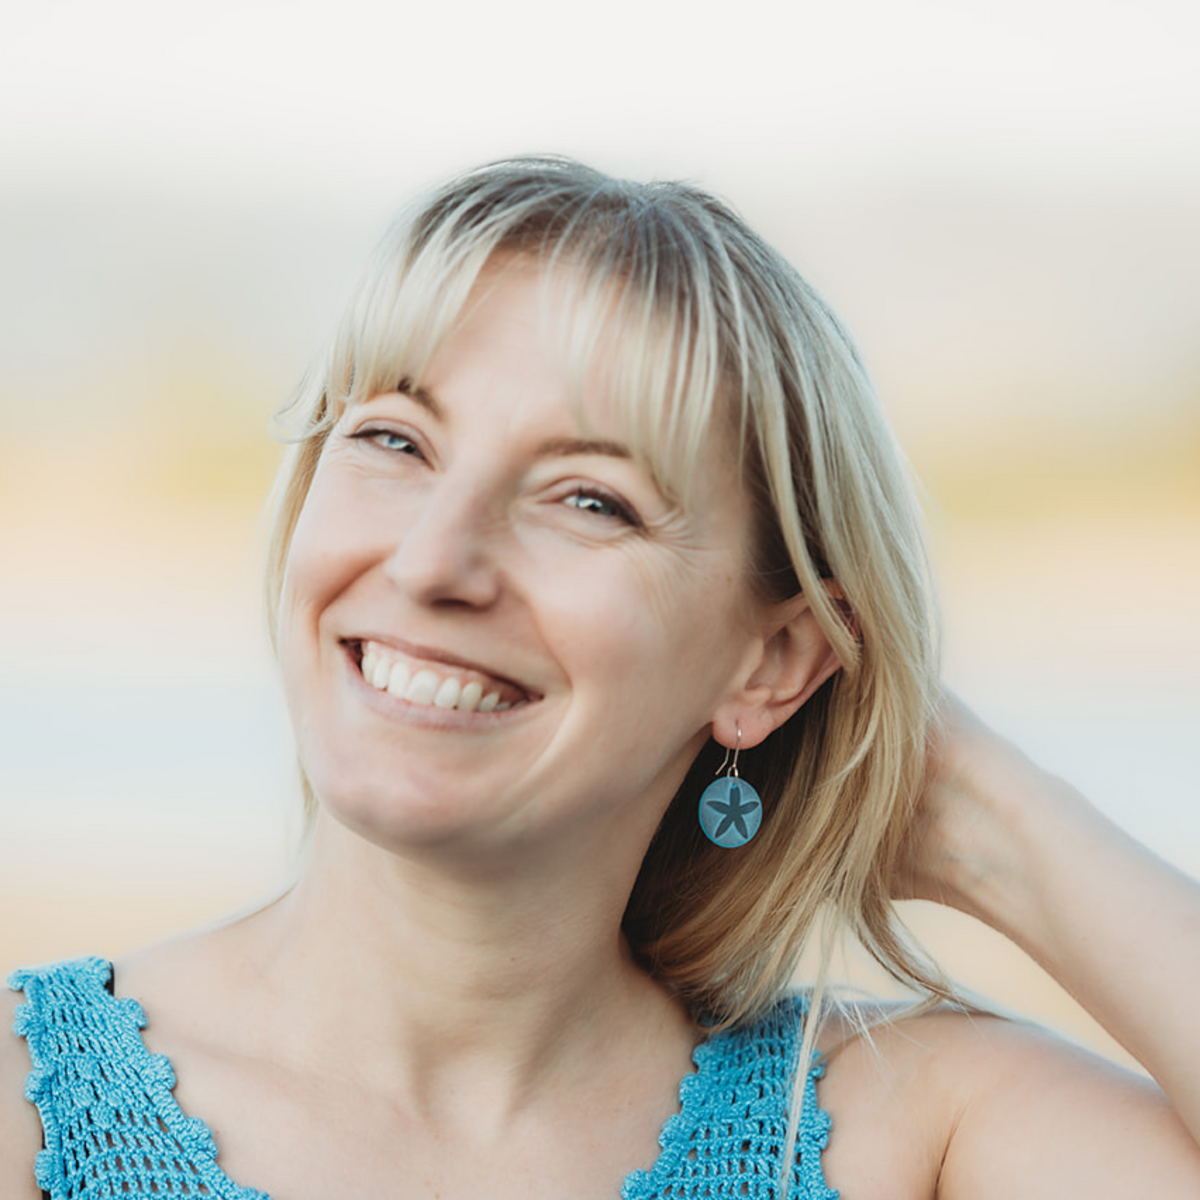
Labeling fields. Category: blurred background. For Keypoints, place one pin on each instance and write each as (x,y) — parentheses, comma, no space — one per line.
(1003,201)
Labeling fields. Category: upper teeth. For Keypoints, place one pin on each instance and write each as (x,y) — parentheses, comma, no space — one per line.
(425,686)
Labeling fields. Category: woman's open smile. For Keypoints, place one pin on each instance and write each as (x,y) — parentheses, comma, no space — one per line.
(438,682)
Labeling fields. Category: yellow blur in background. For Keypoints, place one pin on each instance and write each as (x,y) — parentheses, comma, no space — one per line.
(1010,227)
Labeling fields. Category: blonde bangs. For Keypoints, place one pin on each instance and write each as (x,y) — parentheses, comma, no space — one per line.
(644,361)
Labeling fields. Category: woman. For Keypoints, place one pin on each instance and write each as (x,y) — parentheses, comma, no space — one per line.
(602,611)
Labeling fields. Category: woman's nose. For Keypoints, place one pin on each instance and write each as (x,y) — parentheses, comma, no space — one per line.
(447,552)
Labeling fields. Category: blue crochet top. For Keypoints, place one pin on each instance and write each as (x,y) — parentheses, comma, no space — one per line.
(112,1127)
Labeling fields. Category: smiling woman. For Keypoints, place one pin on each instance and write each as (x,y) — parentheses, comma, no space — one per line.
(590,503)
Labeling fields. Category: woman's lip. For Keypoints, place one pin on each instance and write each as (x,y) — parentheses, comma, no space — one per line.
(419,655)
(393,707)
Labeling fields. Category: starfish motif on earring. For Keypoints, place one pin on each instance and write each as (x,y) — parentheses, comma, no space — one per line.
(734,812)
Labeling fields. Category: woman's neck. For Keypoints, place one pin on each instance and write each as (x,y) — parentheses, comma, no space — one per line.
(439,979)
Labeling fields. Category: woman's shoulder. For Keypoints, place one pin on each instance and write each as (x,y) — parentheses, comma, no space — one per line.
(959,1055)
(959,1103)
(76,989)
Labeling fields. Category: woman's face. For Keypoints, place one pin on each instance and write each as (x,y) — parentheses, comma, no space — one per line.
(494,628)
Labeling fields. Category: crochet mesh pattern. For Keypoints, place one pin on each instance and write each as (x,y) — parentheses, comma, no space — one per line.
(728,1138)
(112,1127)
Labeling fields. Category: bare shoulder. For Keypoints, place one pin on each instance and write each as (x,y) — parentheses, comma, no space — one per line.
(175,968)
(1040,1117)
(890,1107)
(187,979)
(20,1128)
(968,1105)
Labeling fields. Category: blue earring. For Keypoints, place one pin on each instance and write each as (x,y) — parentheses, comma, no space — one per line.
(730,809)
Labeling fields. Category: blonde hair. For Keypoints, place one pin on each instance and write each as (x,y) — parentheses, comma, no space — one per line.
(713,326)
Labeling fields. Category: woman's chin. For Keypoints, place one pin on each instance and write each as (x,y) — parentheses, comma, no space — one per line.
(413,820)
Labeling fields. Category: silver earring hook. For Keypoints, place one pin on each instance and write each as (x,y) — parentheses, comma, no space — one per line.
(733,771)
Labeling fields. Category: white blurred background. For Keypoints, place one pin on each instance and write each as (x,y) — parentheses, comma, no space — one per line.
(1002,200)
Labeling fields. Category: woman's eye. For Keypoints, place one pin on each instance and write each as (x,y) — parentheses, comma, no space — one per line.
(388,439)
(601,505)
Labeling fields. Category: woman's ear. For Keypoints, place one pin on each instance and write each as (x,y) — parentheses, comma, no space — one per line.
(793,659)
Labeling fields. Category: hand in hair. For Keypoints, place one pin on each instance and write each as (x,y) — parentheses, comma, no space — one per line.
(957,850)
(1014,846)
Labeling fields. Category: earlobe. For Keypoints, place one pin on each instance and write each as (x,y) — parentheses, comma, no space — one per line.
(795,658)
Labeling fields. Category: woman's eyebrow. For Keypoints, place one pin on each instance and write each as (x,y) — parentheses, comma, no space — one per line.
(423,396)
(563,447)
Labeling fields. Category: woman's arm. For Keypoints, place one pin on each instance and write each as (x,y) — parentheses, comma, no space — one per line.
(1019,849)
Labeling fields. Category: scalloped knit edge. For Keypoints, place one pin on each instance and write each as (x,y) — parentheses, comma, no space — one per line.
(156,1071)
(47,1163)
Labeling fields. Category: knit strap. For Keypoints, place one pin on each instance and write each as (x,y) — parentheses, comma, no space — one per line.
(729,1135)
(110,1122)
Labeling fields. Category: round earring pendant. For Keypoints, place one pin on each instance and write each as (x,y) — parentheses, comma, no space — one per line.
(730,812)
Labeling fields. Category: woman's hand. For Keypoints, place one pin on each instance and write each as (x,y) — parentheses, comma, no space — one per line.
(997,837)
(962,845)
